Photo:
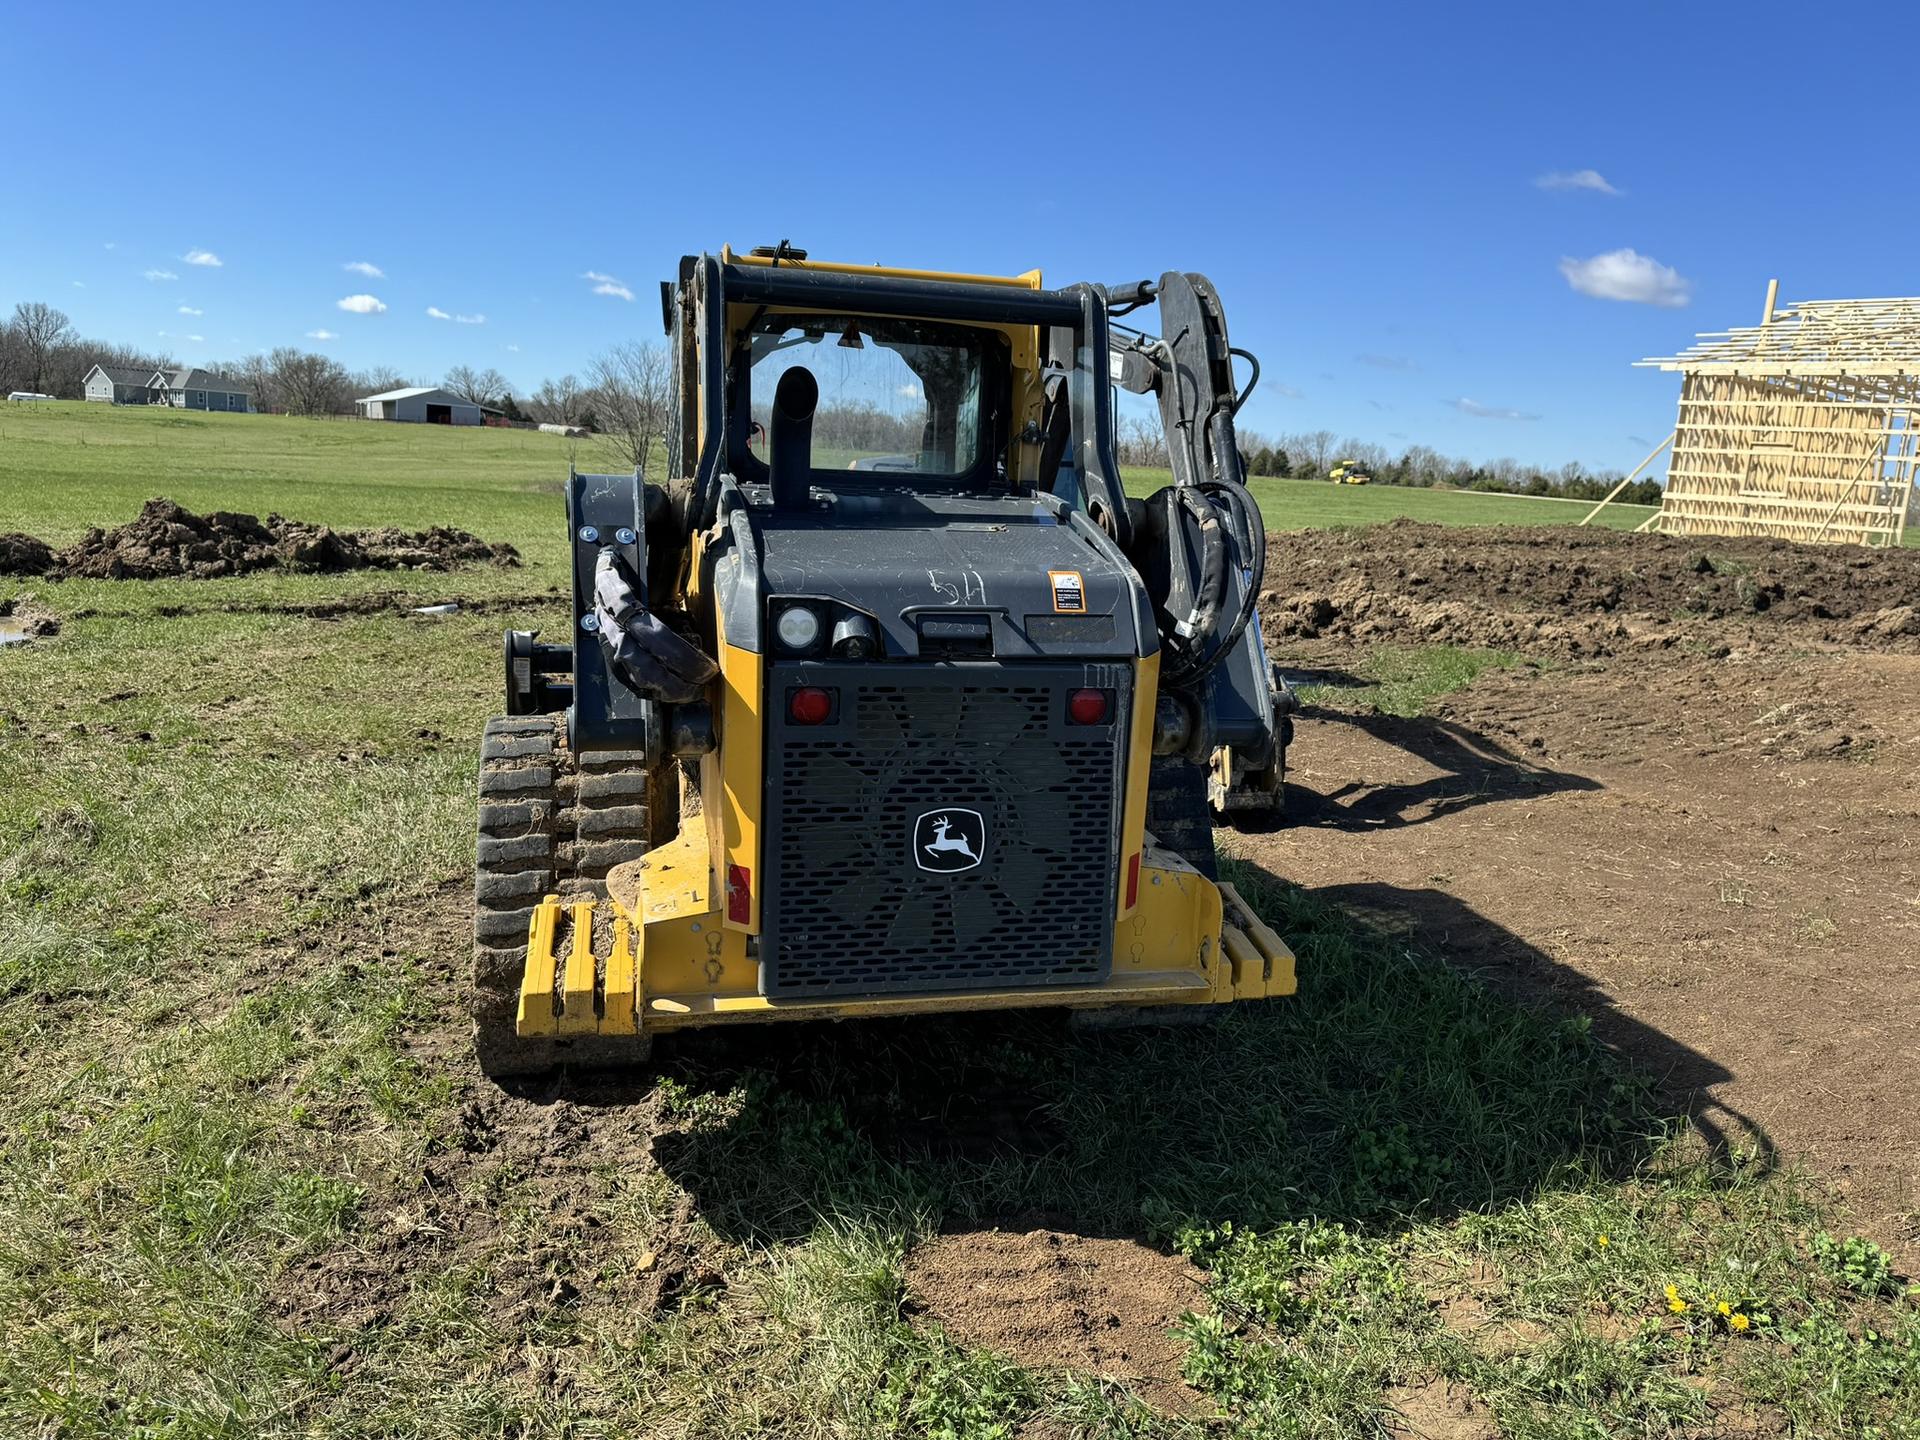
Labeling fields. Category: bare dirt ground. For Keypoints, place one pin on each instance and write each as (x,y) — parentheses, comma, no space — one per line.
(1698,821)
(1063,1301)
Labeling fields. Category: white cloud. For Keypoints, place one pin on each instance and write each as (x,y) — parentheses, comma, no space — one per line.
(1578,180)
(607,285)
(195,338)
(322,335)
(161,275)
(366,268)
(435,312)
(1387,362)
(910,391)
(1488,412)
(362,305)
(514,348)
(203,257)
(79,284)
(189,310)
(111,245)
(1630,276)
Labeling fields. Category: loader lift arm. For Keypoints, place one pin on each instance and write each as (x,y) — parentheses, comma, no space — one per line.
(1201,542)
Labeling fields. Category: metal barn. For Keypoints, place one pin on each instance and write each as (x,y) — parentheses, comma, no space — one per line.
(423,404)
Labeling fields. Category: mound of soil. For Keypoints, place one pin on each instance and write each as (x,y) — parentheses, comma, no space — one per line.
(24,555)
(1058,1301)
(168,542)
(1565,591)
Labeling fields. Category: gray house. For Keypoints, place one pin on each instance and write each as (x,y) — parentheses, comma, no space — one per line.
(118,385)
(194,389)
(424,405)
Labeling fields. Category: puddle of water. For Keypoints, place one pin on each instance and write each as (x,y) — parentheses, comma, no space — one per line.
(12,632)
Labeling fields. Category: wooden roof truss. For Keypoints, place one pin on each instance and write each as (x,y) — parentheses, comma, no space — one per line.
(1805,427)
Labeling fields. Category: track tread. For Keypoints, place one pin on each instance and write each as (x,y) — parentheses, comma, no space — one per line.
(534,807)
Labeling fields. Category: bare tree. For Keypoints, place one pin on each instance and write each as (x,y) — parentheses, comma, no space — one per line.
(307,384)
(377,380)
(561,401)
(482,387)
(631,396)
(1316,448)
(38,330)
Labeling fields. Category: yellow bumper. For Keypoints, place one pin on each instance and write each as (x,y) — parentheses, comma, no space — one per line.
(657,956)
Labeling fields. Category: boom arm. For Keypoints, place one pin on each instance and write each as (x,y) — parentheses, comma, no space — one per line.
(1201,542)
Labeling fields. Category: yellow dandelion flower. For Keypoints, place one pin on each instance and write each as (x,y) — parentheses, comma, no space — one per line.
(1738,1321)
(1674,1302)
(1604,1242)
(1725,1309)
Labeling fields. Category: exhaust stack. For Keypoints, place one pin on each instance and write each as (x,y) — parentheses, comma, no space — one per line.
(790,439)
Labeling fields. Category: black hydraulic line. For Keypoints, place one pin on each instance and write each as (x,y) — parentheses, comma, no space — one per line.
(1252,380)
(1236,497)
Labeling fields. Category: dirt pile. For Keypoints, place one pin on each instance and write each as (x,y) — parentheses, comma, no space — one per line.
(1565,591)
(24,555)
(167,541)
(1060,1301)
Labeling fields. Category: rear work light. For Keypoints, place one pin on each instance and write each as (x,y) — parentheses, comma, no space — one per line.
(1089,707)
(809,705)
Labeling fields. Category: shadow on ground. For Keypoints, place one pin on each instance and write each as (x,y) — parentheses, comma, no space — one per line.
(1470,770)
(1398,1082)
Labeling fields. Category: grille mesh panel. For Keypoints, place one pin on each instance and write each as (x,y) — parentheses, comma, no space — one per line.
(848,910)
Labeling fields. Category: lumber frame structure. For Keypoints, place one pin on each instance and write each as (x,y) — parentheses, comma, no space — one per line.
(1803,427)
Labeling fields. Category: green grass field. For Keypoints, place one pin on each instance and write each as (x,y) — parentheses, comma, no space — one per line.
(235,841)
(85,465)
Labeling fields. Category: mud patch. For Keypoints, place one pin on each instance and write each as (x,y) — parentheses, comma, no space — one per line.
(1569,592)
(167,541)
(21,620)
(1051,1300)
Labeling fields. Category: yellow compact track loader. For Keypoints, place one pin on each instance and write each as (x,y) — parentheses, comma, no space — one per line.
(888,699)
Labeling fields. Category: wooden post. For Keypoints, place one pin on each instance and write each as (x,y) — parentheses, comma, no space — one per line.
(1630,474)
(1773,294)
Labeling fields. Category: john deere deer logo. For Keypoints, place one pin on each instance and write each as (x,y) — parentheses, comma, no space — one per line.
(948,841)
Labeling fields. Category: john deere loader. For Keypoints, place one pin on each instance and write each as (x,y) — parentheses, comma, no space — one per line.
(888,700)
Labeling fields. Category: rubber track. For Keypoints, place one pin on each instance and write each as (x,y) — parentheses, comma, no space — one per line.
(548,824)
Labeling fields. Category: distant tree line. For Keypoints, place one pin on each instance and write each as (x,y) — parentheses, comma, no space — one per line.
(1309,455)
(42,352)
(626,393)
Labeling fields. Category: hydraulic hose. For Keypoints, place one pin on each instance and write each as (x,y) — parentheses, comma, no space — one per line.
(1197,659)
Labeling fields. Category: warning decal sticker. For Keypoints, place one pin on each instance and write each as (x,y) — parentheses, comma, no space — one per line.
(1069,592)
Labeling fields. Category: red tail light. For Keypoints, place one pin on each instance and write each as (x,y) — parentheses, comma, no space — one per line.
(809,705)
(1089,707)
(739,894)
(1133,879)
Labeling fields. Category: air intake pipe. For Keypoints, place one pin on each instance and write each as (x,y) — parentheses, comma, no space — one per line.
(790,441)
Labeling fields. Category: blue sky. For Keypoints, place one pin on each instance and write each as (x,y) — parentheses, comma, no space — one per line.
(1361,181)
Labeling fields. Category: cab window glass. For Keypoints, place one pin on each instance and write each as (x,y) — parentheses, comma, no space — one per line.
(896,396)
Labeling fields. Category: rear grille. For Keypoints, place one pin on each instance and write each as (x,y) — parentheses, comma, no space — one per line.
(847,910)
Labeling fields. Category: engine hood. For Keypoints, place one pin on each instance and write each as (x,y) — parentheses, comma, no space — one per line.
(954,577)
